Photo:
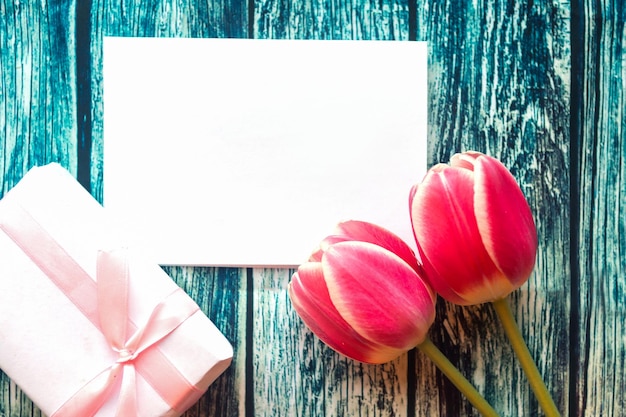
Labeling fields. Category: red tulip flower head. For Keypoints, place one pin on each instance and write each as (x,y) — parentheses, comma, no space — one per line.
(474,229)
(362,295)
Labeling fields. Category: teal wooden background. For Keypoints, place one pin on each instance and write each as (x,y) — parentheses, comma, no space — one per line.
(538,84)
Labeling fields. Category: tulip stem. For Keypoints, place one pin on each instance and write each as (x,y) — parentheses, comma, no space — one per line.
(528,364)
(453,374)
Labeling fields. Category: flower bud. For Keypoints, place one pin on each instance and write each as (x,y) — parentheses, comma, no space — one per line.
(474,229)
(361,294)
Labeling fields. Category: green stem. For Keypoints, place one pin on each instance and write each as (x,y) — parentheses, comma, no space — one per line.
(456,378)
(528,364)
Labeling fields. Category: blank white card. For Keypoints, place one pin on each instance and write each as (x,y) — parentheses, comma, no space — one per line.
(236,152)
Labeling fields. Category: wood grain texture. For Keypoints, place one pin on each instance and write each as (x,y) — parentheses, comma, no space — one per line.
(499,79)
(37,88)
(334,19)
(295,374)
(222,296)
(312,380)
(499,83)
(601,292)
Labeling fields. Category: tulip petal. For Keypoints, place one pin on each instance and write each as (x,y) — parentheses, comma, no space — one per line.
(504,220)
(328,241)
(464,160)
(456,262)
(368,232)
(378,294)
(310,298)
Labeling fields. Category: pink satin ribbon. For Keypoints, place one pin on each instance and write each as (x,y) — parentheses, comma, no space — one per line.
(105,304)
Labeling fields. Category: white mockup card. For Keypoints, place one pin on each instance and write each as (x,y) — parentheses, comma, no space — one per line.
(234,152)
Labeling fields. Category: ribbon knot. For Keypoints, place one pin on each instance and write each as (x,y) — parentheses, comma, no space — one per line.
(125,355)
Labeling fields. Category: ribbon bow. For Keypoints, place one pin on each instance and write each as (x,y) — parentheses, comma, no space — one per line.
(105,304)
(112,282)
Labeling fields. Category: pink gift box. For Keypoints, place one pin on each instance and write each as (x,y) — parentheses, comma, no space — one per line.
(88,327)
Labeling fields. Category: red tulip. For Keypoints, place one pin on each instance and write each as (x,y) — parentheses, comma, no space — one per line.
(361,294)
(474,229)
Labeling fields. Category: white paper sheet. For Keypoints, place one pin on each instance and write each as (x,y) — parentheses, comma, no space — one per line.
(248,152)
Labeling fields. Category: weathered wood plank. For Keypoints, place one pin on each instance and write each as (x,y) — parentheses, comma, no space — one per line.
(334,19)
(37,112)
(221,294)
(37,88)
(295,374)
(493,68)
(299,374)
(499,83)
(600,100)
